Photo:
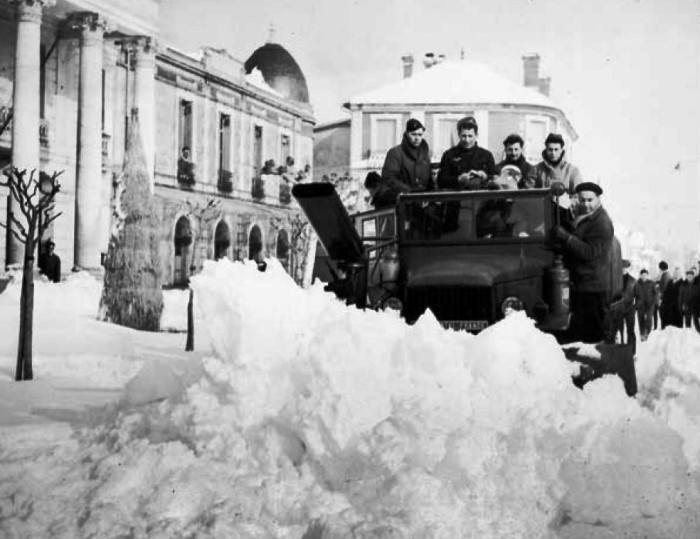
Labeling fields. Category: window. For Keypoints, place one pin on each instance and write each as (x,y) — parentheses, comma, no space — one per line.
(535,134)
(386,134)
(185,127)
(224,142)
(285,150)
(257,148)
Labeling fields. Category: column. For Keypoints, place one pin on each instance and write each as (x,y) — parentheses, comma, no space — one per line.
(88,181)
(109,61)
(25,121)
(145,97)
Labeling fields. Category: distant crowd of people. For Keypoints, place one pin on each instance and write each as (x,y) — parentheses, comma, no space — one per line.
(407,167)
(667,300)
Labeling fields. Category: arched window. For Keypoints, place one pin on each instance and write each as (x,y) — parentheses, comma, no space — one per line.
(255,243)
(283,249)
(222,240)
(183,243)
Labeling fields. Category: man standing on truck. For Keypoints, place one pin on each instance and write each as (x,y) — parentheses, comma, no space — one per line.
(513,149)
(467,165)
(587,252)
(407,166)
(554,167)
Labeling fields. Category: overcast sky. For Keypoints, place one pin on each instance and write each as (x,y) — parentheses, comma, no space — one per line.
(626,73)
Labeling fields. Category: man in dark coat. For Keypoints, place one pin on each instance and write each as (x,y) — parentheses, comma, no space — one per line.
(407,166)
(467,165)
(685,299)
(513,149)
(628,308)
(670,308)
(645,300)
(380,196)
(664,279)
(50,263)
(696,301)
(587,250)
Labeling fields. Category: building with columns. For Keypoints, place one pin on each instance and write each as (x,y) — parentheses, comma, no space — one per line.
(71,72)
(438,95)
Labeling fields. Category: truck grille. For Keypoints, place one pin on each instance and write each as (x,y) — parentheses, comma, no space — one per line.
(449,303)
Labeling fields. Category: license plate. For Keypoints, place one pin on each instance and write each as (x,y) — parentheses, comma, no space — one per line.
(468,325)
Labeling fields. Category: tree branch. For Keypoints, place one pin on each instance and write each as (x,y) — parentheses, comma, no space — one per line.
(12,231)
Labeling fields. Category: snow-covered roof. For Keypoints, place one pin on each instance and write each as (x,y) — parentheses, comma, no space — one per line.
(455,82)
(255,77)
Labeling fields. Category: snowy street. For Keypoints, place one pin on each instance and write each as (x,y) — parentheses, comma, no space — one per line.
(297,413)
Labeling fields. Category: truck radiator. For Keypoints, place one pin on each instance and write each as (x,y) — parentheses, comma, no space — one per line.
(449,303)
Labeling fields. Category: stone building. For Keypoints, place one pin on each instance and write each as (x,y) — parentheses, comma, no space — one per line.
(71,72)
(439,95)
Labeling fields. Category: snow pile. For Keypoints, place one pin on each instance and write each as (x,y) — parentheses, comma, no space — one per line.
(256,78)
(312,419)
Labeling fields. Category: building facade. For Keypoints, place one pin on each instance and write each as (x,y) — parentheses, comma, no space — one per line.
(212,126)
(439,95)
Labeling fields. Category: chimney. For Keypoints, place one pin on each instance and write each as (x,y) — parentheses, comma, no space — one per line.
(407,65)
(543,85)
(531,70)
(429,60)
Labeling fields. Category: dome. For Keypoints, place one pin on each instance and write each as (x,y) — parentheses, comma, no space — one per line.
(280,70)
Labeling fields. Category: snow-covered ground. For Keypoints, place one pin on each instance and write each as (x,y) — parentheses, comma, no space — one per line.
(300,417)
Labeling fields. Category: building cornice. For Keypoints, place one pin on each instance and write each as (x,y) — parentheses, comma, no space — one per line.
(194,67)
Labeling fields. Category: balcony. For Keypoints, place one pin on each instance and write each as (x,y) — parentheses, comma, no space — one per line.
(225,182)
(185,173)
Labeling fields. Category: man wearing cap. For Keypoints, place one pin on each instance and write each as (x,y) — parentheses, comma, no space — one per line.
(407,166)
(587,252)
(467,165)
(554,167)
(513,150)
(645,296)
(50,263)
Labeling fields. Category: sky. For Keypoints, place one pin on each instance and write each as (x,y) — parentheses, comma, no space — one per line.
(626,73)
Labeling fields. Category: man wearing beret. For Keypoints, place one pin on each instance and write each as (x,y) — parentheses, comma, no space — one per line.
(467,165)
(407,166)
(587,253)
(554,167)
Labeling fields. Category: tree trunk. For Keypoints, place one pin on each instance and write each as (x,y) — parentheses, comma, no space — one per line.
(26,317)
(189,347)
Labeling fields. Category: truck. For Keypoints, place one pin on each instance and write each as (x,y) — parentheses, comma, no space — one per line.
(471,257)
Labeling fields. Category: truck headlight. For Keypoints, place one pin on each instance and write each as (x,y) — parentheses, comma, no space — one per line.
(393,303)
(389,265)
(512,304)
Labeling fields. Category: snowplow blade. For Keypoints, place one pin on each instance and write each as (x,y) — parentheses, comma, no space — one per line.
(600,359)
(329,218)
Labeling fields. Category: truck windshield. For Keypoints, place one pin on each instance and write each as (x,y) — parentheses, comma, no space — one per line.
(473,219)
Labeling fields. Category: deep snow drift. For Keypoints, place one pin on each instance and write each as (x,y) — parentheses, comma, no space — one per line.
(305,418)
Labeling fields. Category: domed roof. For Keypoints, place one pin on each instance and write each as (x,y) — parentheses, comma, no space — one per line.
(280,70)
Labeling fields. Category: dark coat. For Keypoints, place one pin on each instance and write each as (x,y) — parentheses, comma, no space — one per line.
(522,164)
(645,294)
(628,287)
(685,296)
(670,307)
(588,252)
(407,169)
(50,265)
(458,160)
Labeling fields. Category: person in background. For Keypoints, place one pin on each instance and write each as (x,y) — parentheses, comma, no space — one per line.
(644,300)
(628,309)
(696,301)
(380,195)
(670,309)
(554,167)
(466,166)
(685,297)
(513,150)
(50,263)
(663,281)
(407,166)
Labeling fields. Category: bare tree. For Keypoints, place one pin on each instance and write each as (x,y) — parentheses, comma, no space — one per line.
(203,215)
(35,198)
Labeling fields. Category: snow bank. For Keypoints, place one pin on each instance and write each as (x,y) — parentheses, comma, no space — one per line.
(318,420)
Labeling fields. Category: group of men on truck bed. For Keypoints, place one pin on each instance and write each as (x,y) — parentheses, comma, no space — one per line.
(585,238)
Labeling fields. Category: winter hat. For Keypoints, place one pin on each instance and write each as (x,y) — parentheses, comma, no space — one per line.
(413,125)
(554,138)
(589,186)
